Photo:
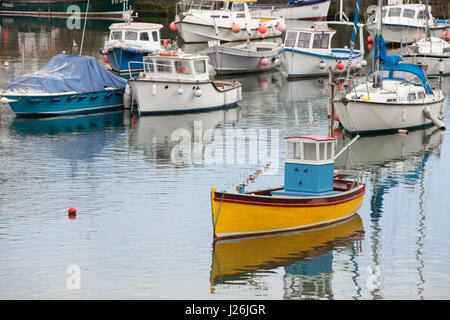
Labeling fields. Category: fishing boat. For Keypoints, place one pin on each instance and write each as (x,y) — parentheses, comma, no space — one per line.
(312,195)
(224,20)
(405,23)
(395,96)
(67,8)
(308,53)
(249,57)
(67,84)
(311,10)
(129,42)
(179,83)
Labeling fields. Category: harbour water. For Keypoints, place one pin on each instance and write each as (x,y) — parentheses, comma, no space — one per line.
(143,228)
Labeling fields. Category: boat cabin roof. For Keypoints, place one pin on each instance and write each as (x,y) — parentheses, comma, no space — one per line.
(173,66)
(309,38)
(136,26)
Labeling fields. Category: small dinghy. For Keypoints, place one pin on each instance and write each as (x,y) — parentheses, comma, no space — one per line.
(313,195)
(67,84)
(244,58)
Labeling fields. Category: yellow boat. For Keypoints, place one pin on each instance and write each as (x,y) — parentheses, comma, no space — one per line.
(237,258)
(312,196)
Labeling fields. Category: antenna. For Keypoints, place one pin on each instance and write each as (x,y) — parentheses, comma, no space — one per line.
(84,27)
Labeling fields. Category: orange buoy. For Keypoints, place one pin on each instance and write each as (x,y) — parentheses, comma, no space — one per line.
(340,65)
(173,26)
(235,28)
(262,28)
(264,62)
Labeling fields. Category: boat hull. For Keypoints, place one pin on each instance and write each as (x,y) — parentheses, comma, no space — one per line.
(231,60)
(64,8)
(168,97)
(66,104)
(367,117)
(433,66)
(313,10)
(245,215)
(196,29)
(300,64)
(404,34)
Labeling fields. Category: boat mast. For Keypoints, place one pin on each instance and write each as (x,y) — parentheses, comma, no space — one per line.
(427,27)
(84,28)
(377,42)
(352,43)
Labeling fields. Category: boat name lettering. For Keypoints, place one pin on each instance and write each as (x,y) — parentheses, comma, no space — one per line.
(8,5)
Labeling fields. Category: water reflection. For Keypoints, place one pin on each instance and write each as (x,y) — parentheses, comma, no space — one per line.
(75,137)
(179,138)
(306,259)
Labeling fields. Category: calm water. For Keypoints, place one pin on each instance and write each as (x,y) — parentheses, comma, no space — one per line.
(143,228)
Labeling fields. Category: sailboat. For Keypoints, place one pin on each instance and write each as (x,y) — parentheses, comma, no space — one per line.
(396,96)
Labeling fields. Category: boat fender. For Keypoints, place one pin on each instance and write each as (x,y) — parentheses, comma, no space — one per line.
(235,28)
(180,91)
(322,65)
(264,62)
(6,100)
(277,61)
(154,89)
(438,123)
(363,62)
(441,66)
(197,92)
(127,97)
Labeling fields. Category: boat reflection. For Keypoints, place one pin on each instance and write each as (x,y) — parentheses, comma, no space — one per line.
(306,258)
(80,137)
(179,139)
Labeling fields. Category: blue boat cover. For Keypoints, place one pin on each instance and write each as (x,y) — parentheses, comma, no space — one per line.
(65,73)
(380,52)
(410,68)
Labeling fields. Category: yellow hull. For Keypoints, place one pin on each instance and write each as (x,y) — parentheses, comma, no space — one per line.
(245,218)
(238,256)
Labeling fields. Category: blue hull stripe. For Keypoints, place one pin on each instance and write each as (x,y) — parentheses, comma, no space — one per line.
(357,55)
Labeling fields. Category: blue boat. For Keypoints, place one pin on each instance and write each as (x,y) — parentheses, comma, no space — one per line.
(129,42)
(67,84)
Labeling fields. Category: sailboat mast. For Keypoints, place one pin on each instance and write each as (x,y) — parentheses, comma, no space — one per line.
(427,21)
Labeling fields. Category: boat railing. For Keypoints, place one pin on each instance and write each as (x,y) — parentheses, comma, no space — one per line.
(199,5)
(435,82)
(355,175)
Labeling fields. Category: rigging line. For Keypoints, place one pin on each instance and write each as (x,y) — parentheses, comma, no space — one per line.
(84,27)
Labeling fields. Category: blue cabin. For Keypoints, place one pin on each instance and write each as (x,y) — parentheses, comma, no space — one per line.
(309,166)
(129,42)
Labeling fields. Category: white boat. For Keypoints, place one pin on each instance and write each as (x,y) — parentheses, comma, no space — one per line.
(129,42)
(406,23)
(244,58)
(179,83)
(433,54)
(399,96)
(308,53)
(311,10)
(224,20)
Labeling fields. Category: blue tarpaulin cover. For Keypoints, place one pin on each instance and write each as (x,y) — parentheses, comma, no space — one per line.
(66,73)
(380,52)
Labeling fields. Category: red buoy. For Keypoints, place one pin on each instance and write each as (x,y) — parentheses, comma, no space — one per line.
(370,45)
(173,26)
(370,39)
(105,59)
(235,28)
(262,28)
(72,211)
(340,65)
(264,62)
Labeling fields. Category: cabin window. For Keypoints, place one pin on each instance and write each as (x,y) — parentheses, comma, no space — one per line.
(116,35)
(309,151)
(237,7)
(149,66)
(294,151)
(395,12)
(290,39)
(144,36)
(182,67)
(383,12)
(304,39)
(421,95)
(155,36)
(408,13)
(422,14)
(131,35)
(200,66)
(321,41)
(322,151)
(329,150)
(163,66)
(411,96)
